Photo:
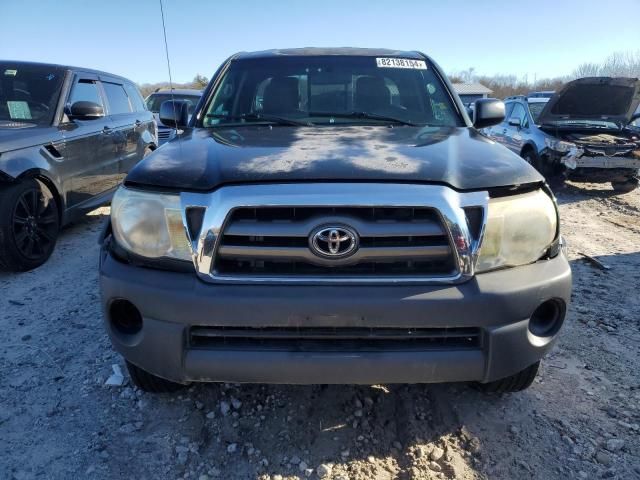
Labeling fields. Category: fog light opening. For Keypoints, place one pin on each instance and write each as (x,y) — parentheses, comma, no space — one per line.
(125,318)
(547,319)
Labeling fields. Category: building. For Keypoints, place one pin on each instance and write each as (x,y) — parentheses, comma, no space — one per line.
(470,92)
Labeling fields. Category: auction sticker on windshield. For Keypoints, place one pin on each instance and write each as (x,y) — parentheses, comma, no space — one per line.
(401,63)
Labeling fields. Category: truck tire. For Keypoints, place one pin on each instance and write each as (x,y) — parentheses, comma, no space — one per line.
(626,186)
(29,225)
(149,382)
(515,383)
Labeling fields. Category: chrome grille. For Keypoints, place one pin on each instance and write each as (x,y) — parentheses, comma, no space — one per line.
(394,241)
(406,233)
(165,133)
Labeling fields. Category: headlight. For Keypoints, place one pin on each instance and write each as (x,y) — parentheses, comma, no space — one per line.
(519,230)
(559,145)
(149,224)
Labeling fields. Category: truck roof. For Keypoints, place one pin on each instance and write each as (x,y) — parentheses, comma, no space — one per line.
(340,51)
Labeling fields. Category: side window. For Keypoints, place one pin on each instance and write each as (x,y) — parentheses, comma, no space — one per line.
(518,112)
(117,98)
(135,98)
(508,108)
(85,91)
(222,103)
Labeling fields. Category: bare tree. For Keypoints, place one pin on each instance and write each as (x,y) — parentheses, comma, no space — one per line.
(618,64)
(200,81)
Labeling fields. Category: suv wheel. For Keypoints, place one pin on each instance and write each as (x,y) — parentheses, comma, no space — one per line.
(554,177)
(532,159)
(625,186)
(29,225)
(149,382)
(515,383)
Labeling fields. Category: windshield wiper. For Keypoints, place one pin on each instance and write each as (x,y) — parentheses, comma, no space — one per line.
(260,117)
(365,115)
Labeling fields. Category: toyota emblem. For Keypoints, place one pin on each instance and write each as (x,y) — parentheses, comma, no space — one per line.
(333,241)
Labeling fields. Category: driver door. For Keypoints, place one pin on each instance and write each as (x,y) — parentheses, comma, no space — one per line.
(514,135)
(89,147)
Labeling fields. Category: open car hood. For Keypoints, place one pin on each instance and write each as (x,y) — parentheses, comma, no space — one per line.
(594,98)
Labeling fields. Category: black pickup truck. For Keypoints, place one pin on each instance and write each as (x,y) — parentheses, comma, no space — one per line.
(68,137)
(333,216)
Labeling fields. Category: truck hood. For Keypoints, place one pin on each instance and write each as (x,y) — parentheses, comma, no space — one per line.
(594,98)
(203,159)
(15,138)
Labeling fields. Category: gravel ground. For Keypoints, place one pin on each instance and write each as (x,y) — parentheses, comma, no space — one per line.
(580,419)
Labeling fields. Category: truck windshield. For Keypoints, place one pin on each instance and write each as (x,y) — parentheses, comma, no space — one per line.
(29,93)
(331,90)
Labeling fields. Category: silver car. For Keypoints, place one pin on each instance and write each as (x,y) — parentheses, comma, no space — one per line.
(585,131)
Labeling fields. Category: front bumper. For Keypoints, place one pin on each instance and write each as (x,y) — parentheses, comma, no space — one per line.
(499,303)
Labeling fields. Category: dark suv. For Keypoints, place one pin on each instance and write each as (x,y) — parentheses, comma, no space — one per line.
(68,136)
(333,216)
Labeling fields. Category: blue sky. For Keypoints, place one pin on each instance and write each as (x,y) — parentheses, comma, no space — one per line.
(536,38)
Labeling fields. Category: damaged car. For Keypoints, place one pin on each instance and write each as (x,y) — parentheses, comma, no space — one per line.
(585,132)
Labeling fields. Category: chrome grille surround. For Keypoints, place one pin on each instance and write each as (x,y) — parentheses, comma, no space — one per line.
(448,204)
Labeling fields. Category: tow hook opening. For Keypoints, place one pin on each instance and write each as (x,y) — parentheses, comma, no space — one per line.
(124,317)
(547,319)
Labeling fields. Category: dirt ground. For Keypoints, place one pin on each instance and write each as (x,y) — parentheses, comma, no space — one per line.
(581,419)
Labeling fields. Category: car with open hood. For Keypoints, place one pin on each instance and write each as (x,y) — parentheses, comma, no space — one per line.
(333,216)
(68,137)
(585,132)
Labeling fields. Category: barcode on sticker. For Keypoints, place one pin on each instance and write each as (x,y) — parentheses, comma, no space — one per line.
(386,62)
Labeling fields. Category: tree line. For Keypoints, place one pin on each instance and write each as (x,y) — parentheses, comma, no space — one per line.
(618,64)
(198,83)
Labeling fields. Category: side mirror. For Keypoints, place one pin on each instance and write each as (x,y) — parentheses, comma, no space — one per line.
(85,111)
(174,113)
(488,112)
(515,122)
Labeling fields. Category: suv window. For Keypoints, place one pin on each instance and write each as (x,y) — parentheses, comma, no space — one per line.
(508,108)
(136,99)
(117,97)
(519,112)
(314,88)
(85,91)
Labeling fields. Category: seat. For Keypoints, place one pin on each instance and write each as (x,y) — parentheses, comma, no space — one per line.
(371,94)
(281,95)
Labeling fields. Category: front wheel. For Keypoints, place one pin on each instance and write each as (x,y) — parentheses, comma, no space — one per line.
(625,186)
(149,382)
(532,159)
(514,383)
(29,225)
